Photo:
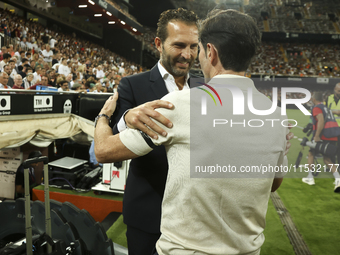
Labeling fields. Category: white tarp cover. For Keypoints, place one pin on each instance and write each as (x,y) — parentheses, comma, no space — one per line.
(41,130)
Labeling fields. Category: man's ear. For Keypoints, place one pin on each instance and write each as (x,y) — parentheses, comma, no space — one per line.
(212,54)
(158,43)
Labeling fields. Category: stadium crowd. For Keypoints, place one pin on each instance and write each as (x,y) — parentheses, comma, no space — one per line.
(42,56)
(296,16)
(45,57)
(297,59)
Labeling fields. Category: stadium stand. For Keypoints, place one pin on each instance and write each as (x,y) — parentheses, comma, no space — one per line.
(32,37)
(84,57)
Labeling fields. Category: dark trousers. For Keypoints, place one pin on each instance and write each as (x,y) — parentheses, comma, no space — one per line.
(140,242)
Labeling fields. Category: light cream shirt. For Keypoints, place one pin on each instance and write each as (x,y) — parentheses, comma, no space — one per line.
(219,214)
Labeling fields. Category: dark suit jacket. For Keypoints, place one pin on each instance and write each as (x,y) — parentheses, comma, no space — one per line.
(147,175)
(10,81)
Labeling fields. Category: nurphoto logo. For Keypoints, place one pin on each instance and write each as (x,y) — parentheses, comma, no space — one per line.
(238,100)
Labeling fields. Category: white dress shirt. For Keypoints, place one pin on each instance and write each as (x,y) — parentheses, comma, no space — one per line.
(170,86)
(3,87)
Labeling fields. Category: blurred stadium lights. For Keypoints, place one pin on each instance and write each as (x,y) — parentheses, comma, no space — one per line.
(91,2)
(109,13)
(82,6)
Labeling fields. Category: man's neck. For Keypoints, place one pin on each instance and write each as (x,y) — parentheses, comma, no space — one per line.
(229,72)
(180,80)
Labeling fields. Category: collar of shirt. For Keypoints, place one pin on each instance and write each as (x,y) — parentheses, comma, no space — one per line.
(170,80)
(4,86)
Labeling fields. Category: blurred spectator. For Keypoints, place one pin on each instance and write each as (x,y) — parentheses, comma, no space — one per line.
(22,64)
(3,51)
(98,88)
(44,81)
(56,58)
(69,80)
(27,81)
(4,81)
(63,67)
(7,70)
(47,54)
(18,84)
(63,86)
(6,58)
(99,72)
(26,69)
(11,64)
(37,74)
(52,78)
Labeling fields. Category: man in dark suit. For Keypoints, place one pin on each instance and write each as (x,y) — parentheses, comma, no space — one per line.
(177,42)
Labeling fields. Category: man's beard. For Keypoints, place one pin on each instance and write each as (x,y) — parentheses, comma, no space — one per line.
(170,64)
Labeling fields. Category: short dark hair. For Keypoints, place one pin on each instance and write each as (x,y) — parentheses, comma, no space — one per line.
(22,51)
(88,84)
(11,61)
(61,83)
(180,14)
(235,36)
(6,56)
(24,60)
(318,96)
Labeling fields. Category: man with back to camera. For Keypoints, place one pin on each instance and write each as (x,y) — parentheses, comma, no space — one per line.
(177,42)
(319,112)
(333,104)
(219,215)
